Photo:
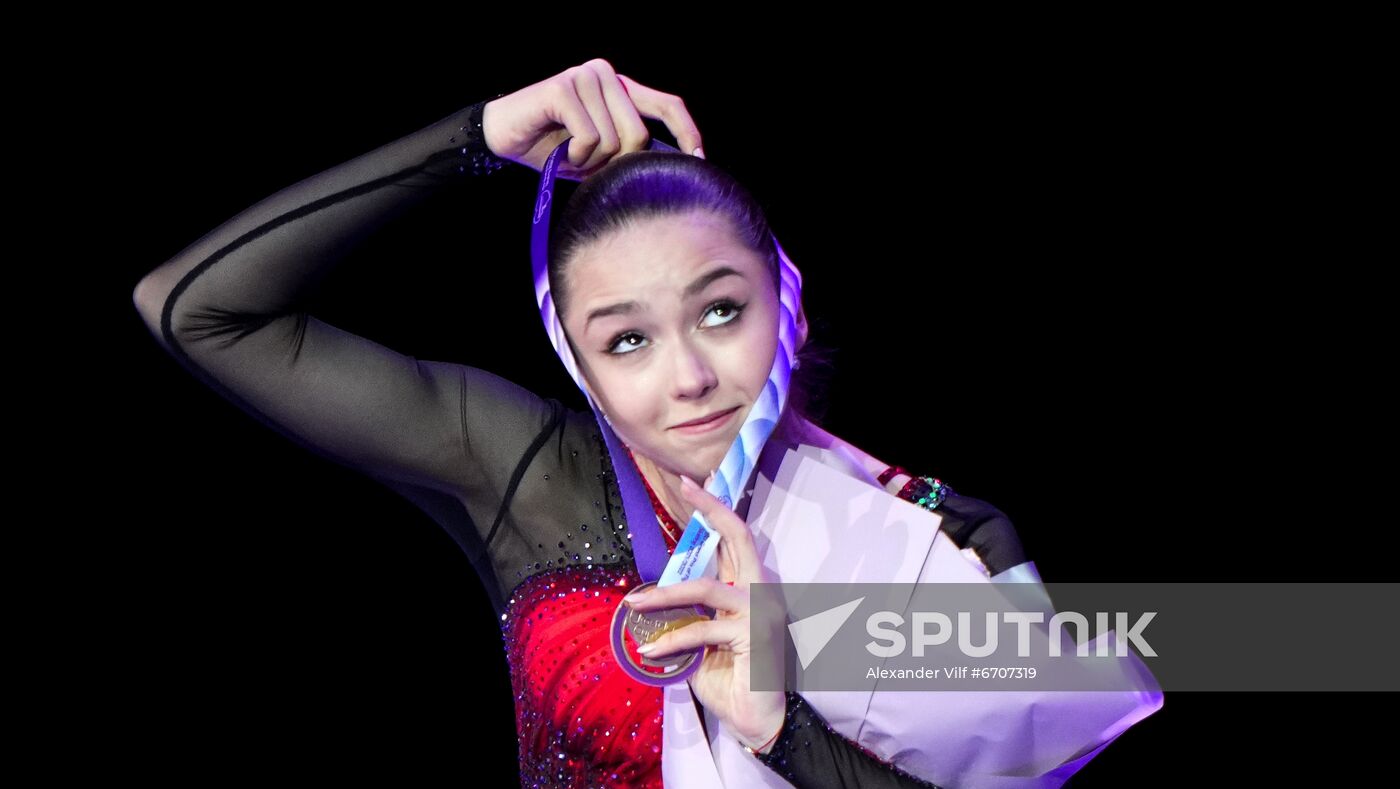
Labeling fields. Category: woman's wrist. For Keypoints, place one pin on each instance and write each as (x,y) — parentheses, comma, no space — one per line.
(765,746)
(476,155)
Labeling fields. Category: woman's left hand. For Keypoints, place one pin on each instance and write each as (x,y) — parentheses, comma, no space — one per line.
(722,681)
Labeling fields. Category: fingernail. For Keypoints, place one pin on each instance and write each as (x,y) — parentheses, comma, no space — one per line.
(688,483)
(635,596)
(646,649)
(698,152)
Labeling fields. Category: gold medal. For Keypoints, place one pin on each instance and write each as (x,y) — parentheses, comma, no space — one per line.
(645,627)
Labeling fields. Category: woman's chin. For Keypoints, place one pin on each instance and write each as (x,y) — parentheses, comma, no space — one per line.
(698,463)
(712,461)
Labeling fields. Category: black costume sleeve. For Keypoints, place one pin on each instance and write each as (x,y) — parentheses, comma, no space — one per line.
(812,755)
(455,440)
(227,308)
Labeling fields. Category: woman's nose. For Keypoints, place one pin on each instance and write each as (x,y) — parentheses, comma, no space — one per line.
(695,375)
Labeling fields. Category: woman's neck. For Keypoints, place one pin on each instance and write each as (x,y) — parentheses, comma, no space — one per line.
(667,487)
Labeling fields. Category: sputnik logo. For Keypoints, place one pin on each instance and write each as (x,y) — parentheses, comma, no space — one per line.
(811,634)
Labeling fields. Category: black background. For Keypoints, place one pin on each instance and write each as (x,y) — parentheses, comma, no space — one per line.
(1111,285)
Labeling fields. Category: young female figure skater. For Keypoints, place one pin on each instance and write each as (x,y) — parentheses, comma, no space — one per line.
(667,283)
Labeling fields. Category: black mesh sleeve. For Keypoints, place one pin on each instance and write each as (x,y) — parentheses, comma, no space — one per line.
(226,308)
(447,436)
(973,523)
(811,754)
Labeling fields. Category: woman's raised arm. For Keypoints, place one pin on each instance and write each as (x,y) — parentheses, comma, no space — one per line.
(226,307)
(451,438)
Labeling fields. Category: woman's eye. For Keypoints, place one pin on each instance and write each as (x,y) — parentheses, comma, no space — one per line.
(728,310)
(731,309)
(612,349)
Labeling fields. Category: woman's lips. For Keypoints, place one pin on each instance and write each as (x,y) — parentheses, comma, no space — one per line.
(705,427)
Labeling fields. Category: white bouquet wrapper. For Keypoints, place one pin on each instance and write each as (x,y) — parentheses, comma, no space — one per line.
(819,518)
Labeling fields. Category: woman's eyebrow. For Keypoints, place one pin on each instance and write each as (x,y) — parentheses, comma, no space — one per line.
(700,283)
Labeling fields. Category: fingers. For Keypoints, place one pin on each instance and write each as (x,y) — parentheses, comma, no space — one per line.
(732,529)
(631,133)
(710,592)
(603,110)
(595,143)
(607,105)
(576,117)
(668,108)
(717,632)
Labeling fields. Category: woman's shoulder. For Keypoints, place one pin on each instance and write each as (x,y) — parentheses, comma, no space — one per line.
(970,509)
(983,532)
(977,525)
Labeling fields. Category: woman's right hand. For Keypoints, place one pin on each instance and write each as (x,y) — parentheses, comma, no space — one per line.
(598,108)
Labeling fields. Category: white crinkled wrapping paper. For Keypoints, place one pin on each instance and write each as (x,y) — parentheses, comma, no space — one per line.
(973,739)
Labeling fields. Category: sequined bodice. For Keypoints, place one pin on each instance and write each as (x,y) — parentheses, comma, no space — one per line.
(581,721)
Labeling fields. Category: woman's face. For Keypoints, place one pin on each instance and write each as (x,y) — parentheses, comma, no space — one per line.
(673,319)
